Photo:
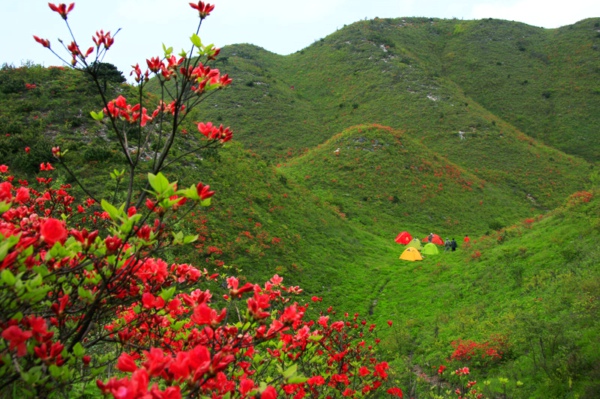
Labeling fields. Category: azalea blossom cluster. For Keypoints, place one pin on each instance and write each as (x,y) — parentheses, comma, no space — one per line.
(193,78)
(115,294)
(103,41)
(482,353)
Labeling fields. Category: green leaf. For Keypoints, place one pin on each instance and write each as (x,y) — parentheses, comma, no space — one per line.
(257,359)
(4,206)
(290,371)
(177,238)
(32,375)
(8,277)
(55,371)
(111,210)
(117,175)
(297,380)
(167,294)
(205,202)
(191,193)
(159,182)
(36,282)
(189,239)
(42,270)
(78,350)
(6,244)
(84,294)
(167,51)
(127,226)
(97,116)
(98,370)
(196,40)
(177,326)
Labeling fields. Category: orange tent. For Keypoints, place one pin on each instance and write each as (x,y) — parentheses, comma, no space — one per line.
(411,254)
(436,239)
(403,238)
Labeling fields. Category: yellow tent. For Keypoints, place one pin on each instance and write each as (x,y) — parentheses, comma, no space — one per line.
(411,254)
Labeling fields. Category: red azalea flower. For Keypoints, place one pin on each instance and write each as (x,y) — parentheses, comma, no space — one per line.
(316,380)
(203,9)
(22,195)
(205,315)
(204,191)
(126,363)
(269,393)
(43,42)
(154,64)
(62,9)
(46,166)
(395,392)
(86,360)
(53,231)
(17,338)
(5,191)
(112,244)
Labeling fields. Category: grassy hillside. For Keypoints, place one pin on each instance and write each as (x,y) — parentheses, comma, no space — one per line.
(387,181)
(422,75)
(542,81)
(261,223)
(532,286)
(412,75)
(534,283)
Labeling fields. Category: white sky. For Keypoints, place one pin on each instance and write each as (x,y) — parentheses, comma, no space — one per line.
(280,26)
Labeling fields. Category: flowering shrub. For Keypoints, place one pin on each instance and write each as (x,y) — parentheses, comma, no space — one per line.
(528,222)
(84,289)
(579,197)
(67,291)
(481,353)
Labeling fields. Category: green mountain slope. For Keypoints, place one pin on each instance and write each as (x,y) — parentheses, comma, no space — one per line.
(423,75)
(385,179)
(542,81)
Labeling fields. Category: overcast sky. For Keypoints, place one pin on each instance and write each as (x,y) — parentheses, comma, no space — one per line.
(280,26)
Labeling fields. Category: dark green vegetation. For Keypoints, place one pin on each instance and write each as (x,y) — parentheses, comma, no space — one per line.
(356,138)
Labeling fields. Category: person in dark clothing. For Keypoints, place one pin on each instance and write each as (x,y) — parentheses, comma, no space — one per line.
(453,245)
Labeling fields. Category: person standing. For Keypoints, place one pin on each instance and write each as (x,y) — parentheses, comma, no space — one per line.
(453,245)
(467,240)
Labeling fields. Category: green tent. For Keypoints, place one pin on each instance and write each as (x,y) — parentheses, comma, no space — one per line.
(430,249)
(415,243)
